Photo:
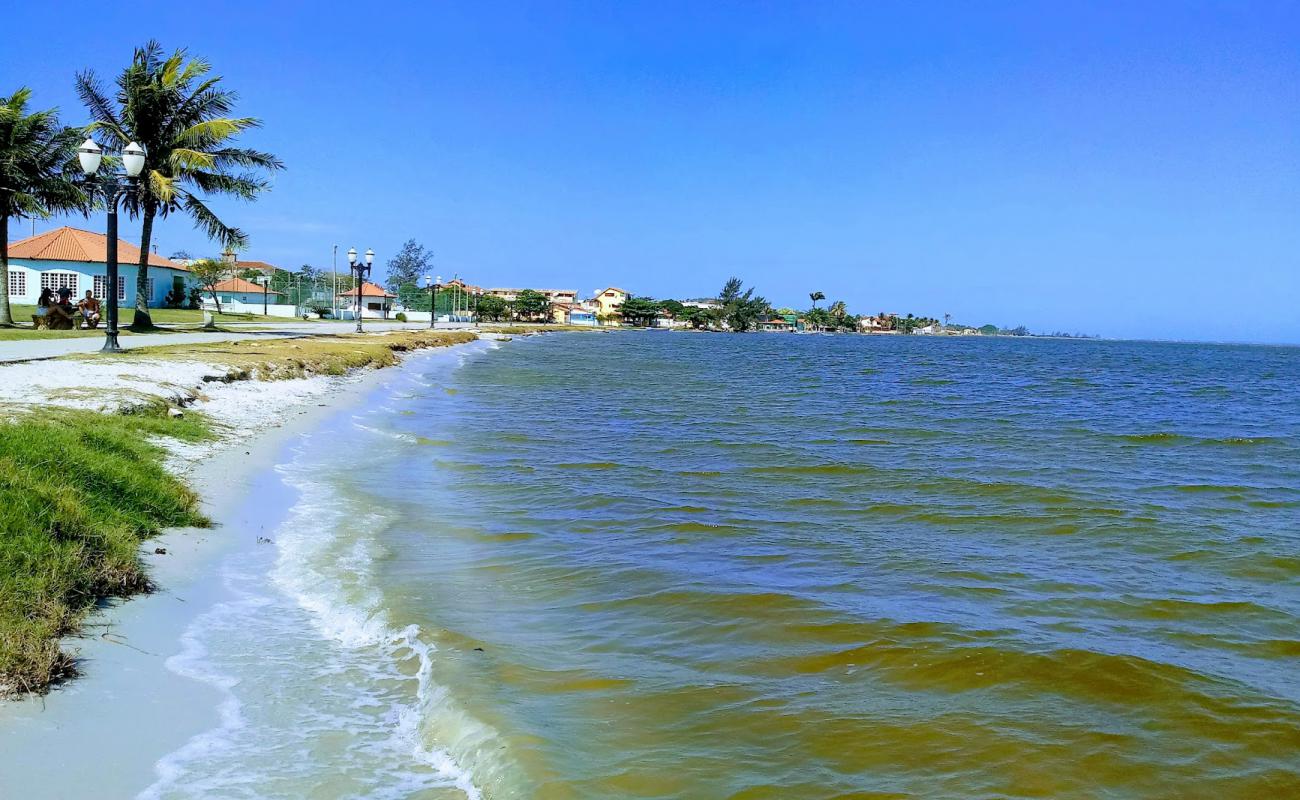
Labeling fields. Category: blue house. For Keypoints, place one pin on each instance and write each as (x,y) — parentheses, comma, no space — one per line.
(76,259)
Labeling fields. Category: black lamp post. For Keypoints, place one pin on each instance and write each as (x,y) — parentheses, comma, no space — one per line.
(432,283)
(360,269)
(265,280)
(113,187)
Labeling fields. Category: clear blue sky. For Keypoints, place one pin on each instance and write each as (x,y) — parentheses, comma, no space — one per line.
(1128,169)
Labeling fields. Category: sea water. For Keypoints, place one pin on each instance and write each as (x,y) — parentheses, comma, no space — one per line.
(643,564)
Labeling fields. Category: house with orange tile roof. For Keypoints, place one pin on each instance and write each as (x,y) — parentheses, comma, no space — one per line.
(376,302)
(77,260)
(238,290)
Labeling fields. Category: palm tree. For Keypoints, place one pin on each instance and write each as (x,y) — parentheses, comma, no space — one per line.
(181,118)
(815,296)
(35,152)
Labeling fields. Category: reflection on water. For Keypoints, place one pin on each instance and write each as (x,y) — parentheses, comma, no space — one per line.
(677,565)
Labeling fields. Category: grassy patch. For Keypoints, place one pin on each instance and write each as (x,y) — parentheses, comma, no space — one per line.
(22,314)
(281,358)
(79,491)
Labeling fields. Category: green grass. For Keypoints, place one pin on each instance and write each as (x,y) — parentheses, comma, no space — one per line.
(22,315)
(79,491)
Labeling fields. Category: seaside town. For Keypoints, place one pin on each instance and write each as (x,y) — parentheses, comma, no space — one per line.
(559,491)
(71,263)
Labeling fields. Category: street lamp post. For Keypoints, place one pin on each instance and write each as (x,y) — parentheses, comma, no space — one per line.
(113,187)
(360,269)
(432,283)
(265,280)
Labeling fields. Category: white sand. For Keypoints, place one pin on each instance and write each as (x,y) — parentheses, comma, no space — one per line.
(100,734)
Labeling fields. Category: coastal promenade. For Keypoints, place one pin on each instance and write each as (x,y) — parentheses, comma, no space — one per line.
(36,349)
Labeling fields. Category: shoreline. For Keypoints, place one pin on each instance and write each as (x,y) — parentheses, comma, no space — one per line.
(125,643)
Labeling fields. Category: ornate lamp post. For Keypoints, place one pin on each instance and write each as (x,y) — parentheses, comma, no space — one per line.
(432,283)
(113,187)
(360,269)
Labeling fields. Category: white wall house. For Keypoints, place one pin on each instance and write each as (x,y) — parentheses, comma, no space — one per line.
(375,302)
(76,259)
(238,290)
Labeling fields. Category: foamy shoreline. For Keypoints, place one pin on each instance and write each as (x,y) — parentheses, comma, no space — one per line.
(71,743)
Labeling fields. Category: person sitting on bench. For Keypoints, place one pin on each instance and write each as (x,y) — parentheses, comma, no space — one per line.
(61,316)
(89,308)
(43,308)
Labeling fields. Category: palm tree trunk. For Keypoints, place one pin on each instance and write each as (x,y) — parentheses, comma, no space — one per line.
(142,320)
(6,314)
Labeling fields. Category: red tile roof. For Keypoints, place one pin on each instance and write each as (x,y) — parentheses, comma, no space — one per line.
(241,285)
(368,289)
(74,244)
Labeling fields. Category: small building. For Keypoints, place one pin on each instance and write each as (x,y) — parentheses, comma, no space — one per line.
(553,295)
(78,260)
(571,314)
(376,303)
(775,325)
(607,302)
(238,290)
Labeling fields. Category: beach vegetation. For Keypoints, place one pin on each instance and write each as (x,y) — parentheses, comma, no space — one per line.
(640,311)
(741,308)
(209,272)
(815,296)
(173,107)
(492,308)
(530,304)
(36,158)
(405,271)
(79,492)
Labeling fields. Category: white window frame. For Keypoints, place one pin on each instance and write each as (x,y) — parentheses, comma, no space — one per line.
(101,286)
(57,279)
(17,282)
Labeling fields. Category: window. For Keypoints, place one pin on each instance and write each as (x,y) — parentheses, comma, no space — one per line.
(17,282)
(148,292)
(59,280)
(101,287)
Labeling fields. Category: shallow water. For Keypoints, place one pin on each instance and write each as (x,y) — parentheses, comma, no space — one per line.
(671,565)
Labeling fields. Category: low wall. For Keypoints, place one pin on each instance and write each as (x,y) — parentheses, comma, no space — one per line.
(272,309)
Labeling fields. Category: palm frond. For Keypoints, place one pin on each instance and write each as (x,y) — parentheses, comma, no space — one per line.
(208,222)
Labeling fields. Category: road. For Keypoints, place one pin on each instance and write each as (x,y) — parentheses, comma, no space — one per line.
(29,350)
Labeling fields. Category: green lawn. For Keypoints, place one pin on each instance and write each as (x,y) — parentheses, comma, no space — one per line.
(22,315)
(79,491)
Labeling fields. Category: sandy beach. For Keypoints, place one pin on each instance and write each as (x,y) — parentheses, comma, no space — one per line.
(72,742)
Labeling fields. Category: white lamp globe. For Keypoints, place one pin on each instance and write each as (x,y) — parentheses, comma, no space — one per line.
(370,256)
(90,156)
(352,255)
(133,160)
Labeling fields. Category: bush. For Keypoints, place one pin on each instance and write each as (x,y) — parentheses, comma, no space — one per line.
(318,307)
(401,316)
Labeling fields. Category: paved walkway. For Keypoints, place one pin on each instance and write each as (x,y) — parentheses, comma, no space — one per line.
(52,348)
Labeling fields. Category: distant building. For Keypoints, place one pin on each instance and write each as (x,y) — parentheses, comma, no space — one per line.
(553,295)
(571,314)
(238,290)
(376,303)
(775,325)
(78,260)
(607,301)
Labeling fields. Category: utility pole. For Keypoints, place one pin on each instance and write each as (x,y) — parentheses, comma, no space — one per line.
(334,270)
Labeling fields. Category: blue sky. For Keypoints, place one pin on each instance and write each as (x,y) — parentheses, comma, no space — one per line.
(1127,169)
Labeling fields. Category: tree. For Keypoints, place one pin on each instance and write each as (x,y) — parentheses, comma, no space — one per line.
(839,312)
(181,117)
(209,272)
(35,157)
(741,309)
(640,310)
(815,296)
(530,304)
(180,255)
(492,308)
(405,270)
(673,307)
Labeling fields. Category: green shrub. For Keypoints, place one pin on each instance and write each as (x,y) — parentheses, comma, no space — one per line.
(401,316)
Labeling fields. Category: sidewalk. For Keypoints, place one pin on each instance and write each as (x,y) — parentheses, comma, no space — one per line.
(11,351)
